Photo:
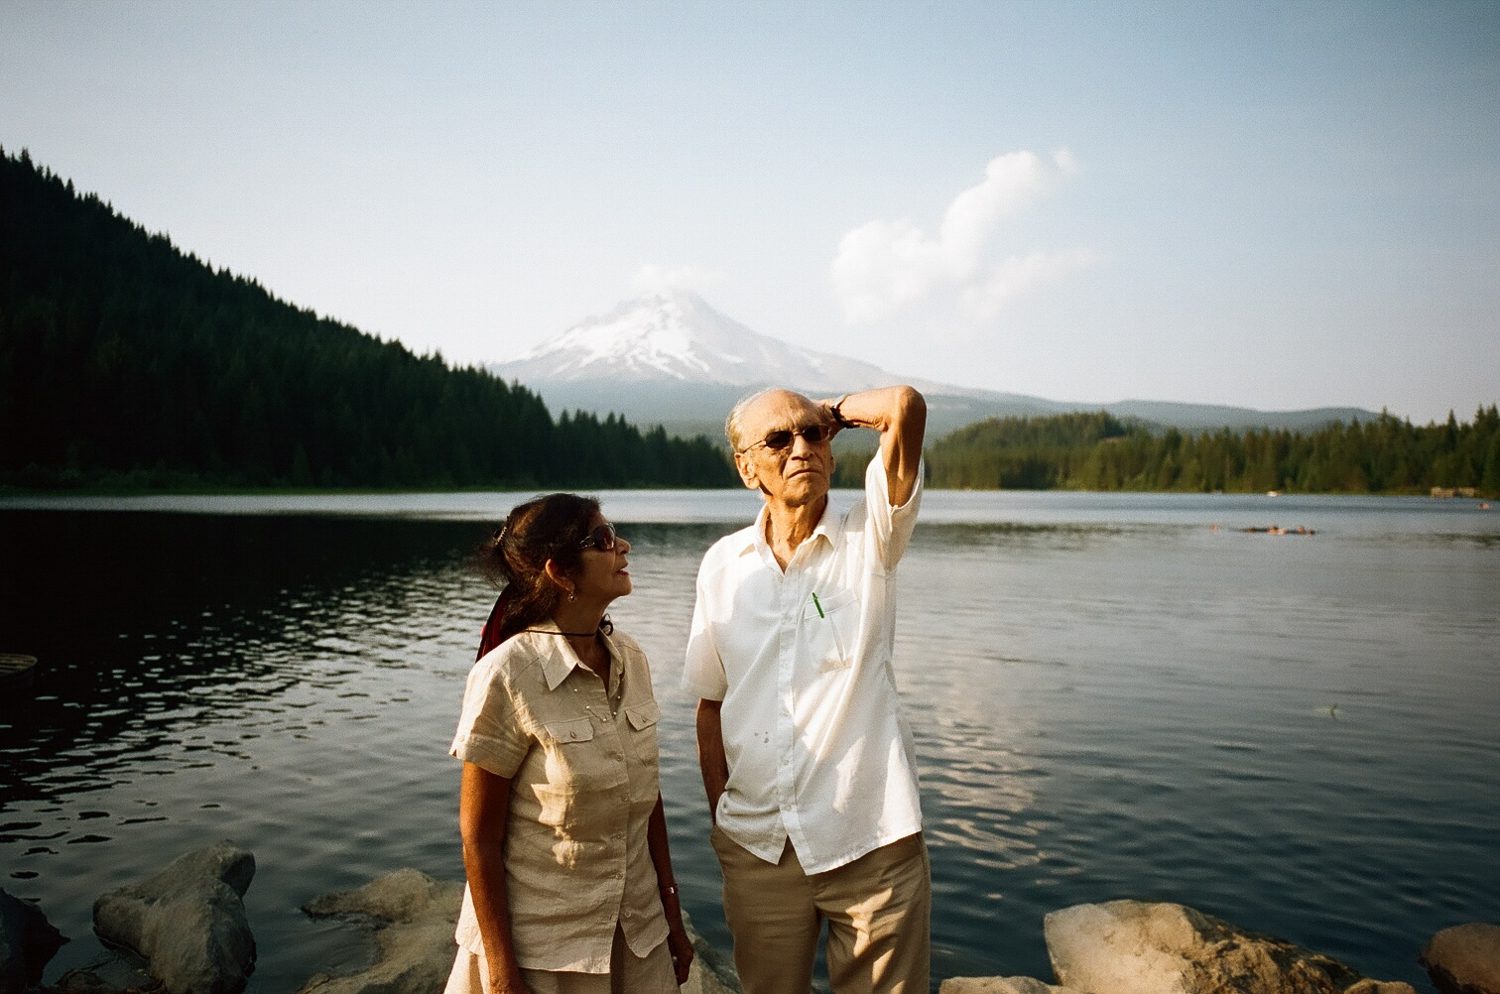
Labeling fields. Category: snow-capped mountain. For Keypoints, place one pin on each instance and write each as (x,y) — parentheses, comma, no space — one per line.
(673,360)
(677,338)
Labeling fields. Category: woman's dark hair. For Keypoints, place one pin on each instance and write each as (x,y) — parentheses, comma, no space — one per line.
(549,527)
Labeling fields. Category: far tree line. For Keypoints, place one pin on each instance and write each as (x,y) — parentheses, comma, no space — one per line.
(1098,451)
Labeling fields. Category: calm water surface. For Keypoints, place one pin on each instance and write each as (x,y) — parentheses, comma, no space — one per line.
(1112,695)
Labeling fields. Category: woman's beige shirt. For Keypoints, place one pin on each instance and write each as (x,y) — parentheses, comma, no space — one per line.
(582,760)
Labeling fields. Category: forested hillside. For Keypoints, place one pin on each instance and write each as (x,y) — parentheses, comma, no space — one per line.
(125,362)
(1101,452)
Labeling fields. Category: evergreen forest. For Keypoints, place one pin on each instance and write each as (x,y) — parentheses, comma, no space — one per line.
(127,363)
(1097,451)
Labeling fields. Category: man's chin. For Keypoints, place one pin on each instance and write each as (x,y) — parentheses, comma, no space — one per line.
(804,489)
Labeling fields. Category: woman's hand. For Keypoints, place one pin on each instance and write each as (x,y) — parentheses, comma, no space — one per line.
(681,948)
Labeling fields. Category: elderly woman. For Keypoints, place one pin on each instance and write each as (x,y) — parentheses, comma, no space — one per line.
(570,886)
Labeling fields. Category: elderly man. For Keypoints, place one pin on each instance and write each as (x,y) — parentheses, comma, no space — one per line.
(806,756)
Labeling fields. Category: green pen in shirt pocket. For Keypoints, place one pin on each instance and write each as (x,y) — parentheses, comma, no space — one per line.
(817,604)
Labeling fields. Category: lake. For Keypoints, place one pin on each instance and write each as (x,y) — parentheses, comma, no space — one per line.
(1113,695)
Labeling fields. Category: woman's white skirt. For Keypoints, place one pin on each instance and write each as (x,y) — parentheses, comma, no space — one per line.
(628,974)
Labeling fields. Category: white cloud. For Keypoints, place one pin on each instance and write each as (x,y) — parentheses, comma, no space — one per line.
(1013,276)
(652,278)
(884,265)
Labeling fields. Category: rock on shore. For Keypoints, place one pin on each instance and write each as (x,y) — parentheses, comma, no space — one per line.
(187,921)
(1135,947)
(27,942)
(1001,985)
(1465,959)
(413,917)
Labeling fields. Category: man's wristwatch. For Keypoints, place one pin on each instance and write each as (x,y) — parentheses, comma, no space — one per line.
(838,416)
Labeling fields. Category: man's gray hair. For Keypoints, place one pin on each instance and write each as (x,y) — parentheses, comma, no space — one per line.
(732,423)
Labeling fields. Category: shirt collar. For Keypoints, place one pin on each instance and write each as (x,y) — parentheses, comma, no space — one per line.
(830,527)
(557,662)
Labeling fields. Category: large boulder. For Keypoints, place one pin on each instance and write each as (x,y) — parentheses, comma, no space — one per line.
(414,917)
(1465,959)
(187,921)
(1000,985)
(1133,947)
(27,942)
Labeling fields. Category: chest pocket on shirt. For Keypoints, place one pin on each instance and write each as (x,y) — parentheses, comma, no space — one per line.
(578,764)
(830,636)
(642,719)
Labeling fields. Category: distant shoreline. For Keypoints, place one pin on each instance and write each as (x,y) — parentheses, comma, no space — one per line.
(12,492)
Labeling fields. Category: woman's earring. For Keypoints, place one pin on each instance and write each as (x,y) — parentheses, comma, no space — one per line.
(572,595)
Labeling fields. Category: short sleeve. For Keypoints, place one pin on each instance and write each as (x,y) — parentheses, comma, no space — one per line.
(489,735)
(891,526)
(703,670)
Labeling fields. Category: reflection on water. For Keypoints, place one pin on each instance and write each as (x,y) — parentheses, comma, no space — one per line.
(1109,699)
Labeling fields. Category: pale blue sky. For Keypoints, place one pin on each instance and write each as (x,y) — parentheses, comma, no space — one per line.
(1271,205)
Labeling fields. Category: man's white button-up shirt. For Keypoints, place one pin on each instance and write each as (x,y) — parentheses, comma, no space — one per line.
(818,748)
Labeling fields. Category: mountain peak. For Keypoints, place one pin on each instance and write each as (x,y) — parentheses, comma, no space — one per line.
(675,336)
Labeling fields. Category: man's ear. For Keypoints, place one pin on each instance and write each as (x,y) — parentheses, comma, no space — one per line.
(746,467)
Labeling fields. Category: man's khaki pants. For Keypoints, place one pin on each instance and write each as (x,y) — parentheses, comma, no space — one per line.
(878,910)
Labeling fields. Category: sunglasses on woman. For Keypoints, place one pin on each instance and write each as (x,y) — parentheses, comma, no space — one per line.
(782,437)
(601,538)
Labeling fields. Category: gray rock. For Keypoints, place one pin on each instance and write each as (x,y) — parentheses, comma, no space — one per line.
(711,972)
(27,942)
(1465,959)
(1000,985)
(1133,947)
(187,921)
(414,917)
(114,973)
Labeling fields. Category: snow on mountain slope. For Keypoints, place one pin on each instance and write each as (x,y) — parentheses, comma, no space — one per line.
(678,338)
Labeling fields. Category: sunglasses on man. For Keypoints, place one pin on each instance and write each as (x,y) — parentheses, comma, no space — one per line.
(602,538)
(782,437)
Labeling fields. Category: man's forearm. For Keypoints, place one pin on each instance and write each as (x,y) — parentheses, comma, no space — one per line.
(900,415)
(712,761)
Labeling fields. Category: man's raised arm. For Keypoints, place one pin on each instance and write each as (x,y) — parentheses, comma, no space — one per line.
(900,415)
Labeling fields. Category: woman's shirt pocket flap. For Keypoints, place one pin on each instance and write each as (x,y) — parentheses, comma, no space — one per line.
(643,715)
(570,730)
